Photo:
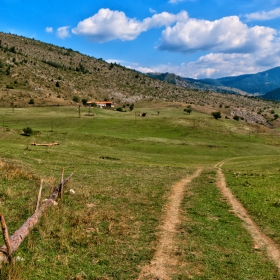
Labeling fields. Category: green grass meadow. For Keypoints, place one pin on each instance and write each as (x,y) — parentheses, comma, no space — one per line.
(124,168)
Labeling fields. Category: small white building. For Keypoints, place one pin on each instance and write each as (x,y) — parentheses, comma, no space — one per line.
(101,104)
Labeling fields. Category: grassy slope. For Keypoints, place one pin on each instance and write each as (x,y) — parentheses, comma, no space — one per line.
(124,166)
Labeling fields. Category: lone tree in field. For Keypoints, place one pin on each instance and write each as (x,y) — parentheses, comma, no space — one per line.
(188,110)
(216,115)
(27,131)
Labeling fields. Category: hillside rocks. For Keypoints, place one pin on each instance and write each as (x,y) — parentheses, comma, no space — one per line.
(250,117)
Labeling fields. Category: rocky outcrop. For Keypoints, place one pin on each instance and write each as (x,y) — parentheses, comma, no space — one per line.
(250,117)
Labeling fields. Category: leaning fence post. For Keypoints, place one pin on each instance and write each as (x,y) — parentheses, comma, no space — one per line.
(6,236)
(39,195)
(61,183)
(12,243)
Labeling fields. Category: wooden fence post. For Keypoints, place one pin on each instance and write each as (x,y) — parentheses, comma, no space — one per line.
(12,243)
(6,236)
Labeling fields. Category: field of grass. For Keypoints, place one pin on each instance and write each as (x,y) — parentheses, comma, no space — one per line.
(124,168)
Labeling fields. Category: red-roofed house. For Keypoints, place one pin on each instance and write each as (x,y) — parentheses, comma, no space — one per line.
(101,104)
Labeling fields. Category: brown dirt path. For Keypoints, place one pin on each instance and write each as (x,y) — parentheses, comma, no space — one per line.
(260,239)
(159,268)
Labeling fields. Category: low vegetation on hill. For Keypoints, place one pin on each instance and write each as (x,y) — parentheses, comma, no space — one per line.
(33,73)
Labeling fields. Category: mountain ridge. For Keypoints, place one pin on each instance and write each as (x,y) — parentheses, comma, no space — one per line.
(259,84)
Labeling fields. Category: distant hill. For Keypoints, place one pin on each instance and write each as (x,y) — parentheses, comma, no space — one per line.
(34,73)
(250,84)
(48,74)
(273,95)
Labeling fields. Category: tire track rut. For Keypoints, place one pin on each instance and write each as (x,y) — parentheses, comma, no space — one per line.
(260,239)
(158,268)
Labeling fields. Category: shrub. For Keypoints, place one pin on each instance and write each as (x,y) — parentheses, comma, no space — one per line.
(84,101)
(236,118)
(120,109)
(27,131)
(216,115)
(31,101)
(188,110)
(76,99)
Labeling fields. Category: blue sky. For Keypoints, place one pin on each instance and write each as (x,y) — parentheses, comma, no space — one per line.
(192,38)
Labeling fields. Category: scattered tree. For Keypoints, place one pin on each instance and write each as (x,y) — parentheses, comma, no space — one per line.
(216,115)
(27,131)
(8,71)
(84,101)
(188,110)
(131,107)
(76,99)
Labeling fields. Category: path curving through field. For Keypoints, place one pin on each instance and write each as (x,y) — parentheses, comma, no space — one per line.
(260,239)
(158,268)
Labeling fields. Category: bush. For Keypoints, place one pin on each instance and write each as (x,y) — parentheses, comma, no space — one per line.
(27,131)
(236,118)
(120,109)
(131,107)
(76,99)
(31,101)
(84,101)
(216,115)
(188,110)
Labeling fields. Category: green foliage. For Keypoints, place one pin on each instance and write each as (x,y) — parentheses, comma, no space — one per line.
(31,101)
(53,64)
(81,68)
(76,99)
(27,131)
(217,115)
(188,110)
(120,109)
(111,66)
(8,71)
(13,49)
(84,101)
(236,118)
(131,107)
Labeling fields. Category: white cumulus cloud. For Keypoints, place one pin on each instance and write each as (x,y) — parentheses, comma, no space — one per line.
(264,15)
(228,35)
(63,32)
(215,65)
(49,29)
(109,25)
